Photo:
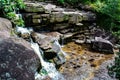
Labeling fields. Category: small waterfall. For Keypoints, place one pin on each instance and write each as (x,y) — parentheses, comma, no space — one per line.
(23,30)
(47,68)
(62,41)
(18,16)
(60,53)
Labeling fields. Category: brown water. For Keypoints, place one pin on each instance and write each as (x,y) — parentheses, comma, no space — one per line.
(82,62)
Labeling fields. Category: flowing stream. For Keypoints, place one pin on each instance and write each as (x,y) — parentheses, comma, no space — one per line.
(60,53)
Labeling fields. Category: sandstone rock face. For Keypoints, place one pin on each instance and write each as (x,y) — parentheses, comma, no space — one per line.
(46,13)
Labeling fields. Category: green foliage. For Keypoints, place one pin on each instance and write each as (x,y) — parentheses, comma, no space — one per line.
(117,33)
(69,1)
(108,7)
(110,10)
(9,8)
(61,1)
(72,1)
(114,70)
(43,72)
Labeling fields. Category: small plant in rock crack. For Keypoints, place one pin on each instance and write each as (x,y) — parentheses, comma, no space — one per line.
(114,70)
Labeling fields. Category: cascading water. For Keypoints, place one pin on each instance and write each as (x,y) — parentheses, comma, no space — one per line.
(62,41)
(18,16)
(60,53)
(23,30)
(47,68)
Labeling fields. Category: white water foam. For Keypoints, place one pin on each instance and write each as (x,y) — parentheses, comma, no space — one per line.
(48,68)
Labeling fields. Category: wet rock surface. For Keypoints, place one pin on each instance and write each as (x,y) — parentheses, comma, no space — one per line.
(43,40)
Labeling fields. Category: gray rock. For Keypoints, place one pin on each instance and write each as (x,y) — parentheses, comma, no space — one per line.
(34,7)
(17,60)
(5,28)
(58,17)
(55,35)
(100,44)
(54,14)
(89,16)
(45,39)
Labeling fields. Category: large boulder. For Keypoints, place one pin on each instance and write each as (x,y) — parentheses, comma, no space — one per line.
(100,44)
(17,60)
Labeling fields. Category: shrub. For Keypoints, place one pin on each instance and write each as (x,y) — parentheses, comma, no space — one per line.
(114,70)
(108,12)
(9,9)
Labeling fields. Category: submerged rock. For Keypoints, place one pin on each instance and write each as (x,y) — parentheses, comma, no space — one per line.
(102,72)
(17,60)
(84,64)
